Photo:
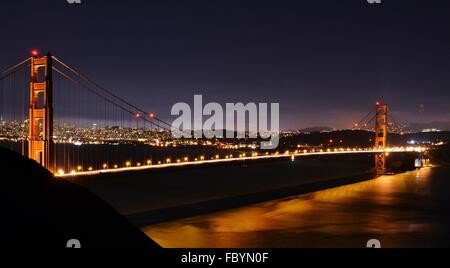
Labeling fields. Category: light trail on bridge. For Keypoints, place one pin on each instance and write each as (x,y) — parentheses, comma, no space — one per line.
(255,156)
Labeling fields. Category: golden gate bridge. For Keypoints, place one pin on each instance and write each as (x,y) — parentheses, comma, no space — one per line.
(51,107)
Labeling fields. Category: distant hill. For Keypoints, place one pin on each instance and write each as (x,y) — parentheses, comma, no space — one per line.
(352,138)
(417,127)
(315,129)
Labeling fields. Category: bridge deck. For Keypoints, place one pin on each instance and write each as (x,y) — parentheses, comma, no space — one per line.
(255,157)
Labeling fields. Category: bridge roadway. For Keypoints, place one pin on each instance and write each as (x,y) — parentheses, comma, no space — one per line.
(340,151)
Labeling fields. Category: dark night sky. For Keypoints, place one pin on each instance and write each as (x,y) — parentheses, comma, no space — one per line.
(326,62)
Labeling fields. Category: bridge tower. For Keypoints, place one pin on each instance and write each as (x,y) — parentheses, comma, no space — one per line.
(40,145)
(381,123)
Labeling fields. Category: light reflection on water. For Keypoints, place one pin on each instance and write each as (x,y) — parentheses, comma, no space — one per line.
(400,210)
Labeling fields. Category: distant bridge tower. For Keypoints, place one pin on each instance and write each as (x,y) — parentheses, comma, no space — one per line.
(381,126)
(40,145)
(381,123)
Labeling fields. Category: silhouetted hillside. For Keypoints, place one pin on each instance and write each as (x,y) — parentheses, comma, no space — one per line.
(441,155)
(41,211)
(442,125)
(315,129)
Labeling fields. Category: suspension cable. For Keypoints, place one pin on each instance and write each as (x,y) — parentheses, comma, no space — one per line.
(12,71)
(84,77)
(14,67)
(365,118)
(104,98)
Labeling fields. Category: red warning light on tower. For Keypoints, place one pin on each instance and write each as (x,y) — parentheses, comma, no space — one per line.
(35,53)
(421,108)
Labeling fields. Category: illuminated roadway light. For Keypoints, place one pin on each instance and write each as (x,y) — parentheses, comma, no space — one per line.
(60,172)
(128,164)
